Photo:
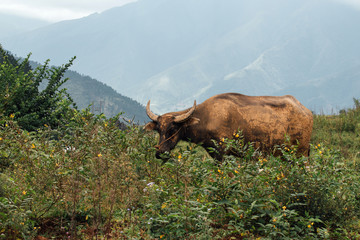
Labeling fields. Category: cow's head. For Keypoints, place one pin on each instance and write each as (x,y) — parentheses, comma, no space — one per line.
(170,126)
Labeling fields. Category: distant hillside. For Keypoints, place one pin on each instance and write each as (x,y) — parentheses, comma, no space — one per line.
(173,52)
(88,92)
(14,25)
(85,91)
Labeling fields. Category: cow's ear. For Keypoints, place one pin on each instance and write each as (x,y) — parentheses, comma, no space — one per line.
(192,121)
(150,126)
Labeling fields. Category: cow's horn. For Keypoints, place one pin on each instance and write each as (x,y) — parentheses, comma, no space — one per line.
(186,115)
(150,114)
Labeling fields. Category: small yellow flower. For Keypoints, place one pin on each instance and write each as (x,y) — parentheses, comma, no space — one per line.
(236,171)
(12,115)
(320,152)
(87,217)
(99,155)
(161,236)
(21,223)
(46,125)
(163,206)
(106,124)
(309,226)
(274,220)
(237,135)
(1,138)
(284,207)
(24,192)
(33,146)
(34,228)
(179,157)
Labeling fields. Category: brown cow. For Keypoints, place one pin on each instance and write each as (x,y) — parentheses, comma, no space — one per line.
(263,120)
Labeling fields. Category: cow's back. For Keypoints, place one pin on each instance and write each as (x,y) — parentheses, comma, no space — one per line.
(264,120)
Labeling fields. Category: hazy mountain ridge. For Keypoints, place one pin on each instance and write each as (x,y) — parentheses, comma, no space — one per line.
(87,91)
(178,51)
(14,25)
(100,98)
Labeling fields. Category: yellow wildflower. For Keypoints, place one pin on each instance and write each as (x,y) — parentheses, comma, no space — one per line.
(161,236)
(309,226)
(237,135)
(32,145)
(179,157)
(1,138)
(284,207)
(236,171)
(99,155)
(12,115)
(163,206)
(24,192)
(274,220)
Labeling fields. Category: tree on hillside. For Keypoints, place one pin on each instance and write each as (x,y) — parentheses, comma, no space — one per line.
(21,98)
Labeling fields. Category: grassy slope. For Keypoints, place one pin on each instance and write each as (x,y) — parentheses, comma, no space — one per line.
(121,190)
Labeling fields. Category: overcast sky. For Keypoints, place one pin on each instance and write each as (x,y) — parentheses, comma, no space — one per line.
(57,10)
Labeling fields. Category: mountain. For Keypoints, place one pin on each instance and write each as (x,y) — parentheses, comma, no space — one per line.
(86,91)
(173,52)
(13,25)
(100,98)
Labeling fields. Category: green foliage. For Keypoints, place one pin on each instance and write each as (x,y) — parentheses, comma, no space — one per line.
(340,131)
(88,179)
(97,180)
(22,99)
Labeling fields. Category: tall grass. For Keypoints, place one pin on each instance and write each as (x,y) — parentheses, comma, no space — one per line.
(91,180)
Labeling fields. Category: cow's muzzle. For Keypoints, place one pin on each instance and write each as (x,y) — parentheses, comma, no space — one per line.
(162,155)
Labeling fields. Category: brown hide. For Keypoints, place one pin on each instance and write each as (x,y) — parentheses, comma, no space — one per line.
(264,120)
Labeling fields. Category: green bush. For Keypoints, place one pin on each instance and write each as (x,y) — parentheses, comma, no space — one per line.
(96,180)
(21,98)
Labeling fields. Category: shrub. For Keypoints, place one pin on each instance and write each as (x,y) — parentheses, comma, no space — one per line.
(96,181)
(21,98)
